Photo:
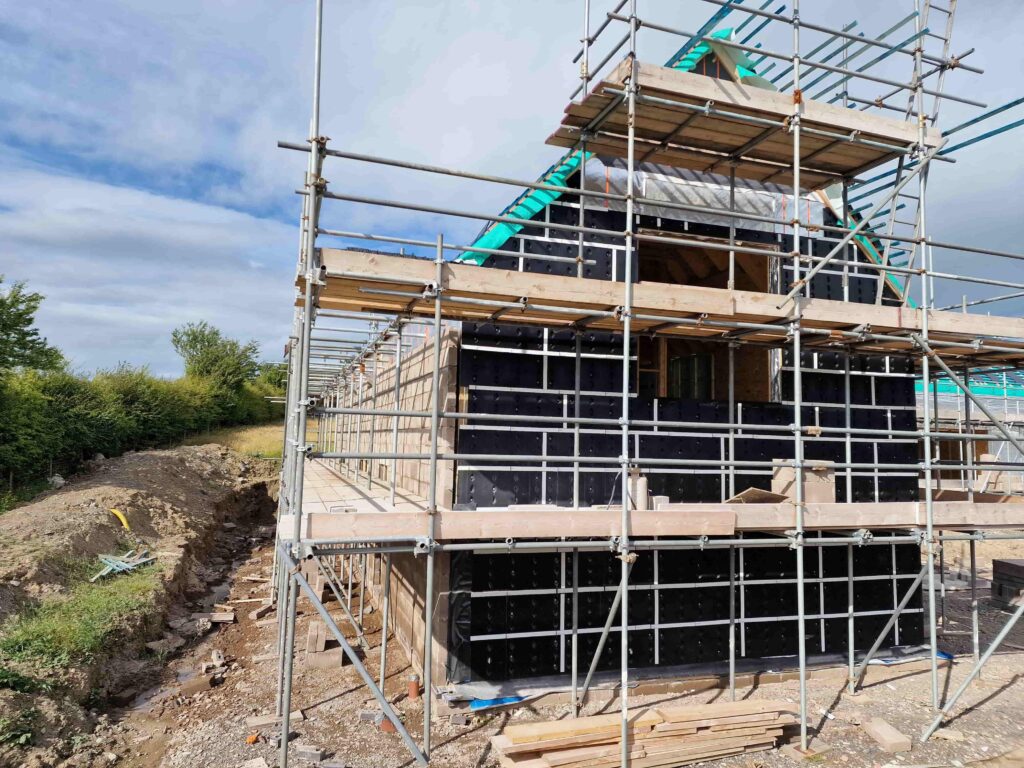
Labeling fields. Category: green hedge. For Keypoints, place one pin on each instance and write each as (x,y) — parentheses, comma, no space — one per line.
(52,421)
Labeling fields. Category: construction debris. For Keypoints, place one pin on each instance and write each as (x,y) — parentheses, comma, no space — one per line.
(888,738)
(167,644)
(660,736)
(260,612)
(307,752)
(1007,582)
(220,617)
(262,721)
(122,563)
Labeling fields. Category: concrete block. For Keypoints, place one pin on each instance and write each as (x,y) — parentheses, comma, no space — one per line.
(260,612)
(311,753)
(888,738)
(335,657)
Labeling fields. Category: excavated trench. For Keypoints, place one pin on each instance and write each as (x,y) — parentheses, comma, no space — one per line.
(200,511)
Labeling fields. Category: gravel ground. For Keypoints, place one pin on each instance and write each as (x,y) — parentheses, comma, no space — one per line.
(209,729)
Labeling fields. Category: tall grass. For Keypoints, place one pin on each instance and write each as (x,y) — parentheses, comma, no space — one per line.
(60,631)
(263,441)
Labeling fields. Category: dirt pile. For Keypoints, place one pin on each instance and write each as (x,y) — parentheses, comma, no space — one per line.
(194,508)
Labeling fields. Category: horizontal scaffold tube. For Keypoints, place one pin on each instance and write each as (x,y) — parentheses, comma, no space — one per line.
(512,458)
(803,62)
(749,430)
(859,538)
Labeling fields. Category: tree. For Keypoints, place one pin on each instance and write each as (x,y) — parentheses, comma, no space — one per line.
(274,375)
(209,354)
(21,346)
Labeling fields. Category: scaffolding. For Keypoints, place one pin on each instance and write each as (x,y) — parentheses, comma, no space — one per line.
(620,109)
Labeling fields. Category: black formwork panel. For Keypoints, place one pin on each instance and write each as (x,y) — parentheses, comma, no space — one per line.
(511,613)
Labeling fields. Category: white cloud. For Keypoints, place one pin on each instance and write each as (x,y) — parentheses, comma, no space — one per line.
(120,268)
(187,99)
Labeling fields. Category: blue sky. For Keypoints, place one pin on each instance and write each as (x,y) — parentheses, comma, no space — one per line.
(141,186)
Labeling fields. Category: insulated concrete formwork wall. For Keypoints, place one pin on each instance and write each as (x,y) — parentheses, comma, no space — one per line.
(510,613)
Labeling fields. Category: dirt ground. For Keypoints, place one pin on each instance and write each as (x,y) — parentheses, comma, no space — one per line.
(169,715)
(168,729)
(193,508)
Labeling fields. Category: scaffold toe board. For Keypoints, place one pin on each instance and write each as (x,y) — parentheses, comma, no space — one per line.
(364,281)
(692,121)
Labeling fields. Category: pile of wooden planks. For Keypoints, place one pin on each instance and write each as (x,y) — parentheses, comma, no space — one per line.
(659,736)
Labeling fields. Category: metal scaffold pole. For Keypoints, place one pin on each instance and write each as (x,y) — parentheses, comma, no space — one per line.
(926,304)
(397,373)
(798,445)
(313,188)
(435,418)
(625,555)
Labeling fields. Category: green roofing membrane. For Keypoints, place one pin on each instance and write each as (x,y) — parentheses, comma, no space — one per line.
(527,205)
(689,62)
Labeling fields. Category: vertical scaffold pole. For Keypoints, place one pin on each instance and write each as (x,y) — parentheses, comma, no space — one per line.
(575,629)
(926,304)
(435,419)
(577,377)
(850,634)
(393,472)
(798,444)
(732,226)
(627,308)
(584,86)
(732,623)
(732,418)
(283,477)
(313,189)
(360,402)
(373,416)
(386,610)
(975,623)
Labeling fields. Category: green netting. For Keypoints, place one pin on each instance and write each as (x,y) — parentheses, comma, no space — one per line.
(949,388)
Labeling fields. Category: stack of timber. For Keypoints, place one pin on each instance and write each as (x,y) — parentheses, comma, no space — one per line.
(660,736)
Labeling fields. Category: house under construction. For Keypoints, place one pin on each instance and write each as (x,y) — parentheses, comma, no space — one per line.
(686,404)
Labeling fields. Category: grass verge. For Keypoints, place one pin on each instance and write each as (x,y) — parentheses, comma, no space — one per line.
(60,631)
(263,441)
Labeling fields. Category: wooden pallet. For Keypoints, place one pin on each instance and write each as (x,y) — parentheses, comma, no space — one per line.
(659,736)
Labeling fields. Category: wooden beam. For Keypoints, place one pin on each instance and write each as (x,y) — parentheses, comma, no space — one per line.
(518,523)
(544,521)
(372,270)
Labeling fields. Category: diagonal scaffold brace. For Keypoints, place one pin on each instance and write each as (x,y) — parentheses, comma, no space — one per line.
(353,657)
